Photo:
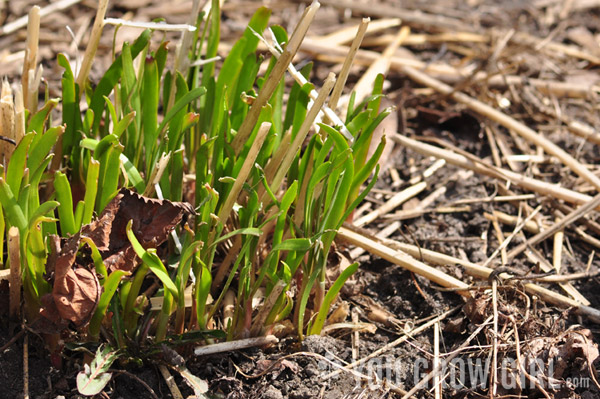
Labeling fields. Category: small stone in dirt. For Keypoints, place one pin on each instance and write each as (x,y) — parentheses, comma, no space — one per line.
(272,393)
(312,370)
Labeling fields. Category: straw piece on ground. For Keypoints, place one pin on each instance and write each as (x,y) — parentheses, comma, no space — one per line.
(506,121)
(346,35)
(49,9)
(402,259)
(406,336)
(235,345)
(475,270)
(477,165)
(564,222)
(364,86)
(90,51)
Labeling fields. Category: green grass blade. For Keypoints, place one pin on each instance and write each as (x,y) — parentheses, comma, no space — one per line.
(152,261)
(11,208)
(150,94)
(319,321)
(108,291)
(16,166)
(71,115)
(91,190)
(42,145)
(111,77)
(41,212)
(38,120)
(179,106)
(65,209)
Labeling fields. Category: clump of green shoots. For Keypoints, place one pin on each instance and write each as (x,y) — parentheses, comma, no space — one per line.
(269,185)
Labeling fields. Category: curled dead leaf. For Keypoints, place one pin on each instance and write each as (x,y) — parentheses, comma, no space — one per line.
(76,288)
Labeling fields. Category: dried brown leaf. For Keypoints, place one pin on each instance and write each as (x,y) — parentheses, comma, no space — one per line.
(76,289)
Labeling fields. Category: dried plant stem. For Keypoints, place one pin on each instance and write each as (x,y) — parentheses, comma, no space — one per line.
(547,87)
(7,123)
(494,370)
(504,218)
(349,34)
(416,39)
(554,47)
(364,86)
(557,248)
(182,61)
(90,51)
(402,196)
(417,17)
(31,53)
(275,77)
(259,320)
(301,80)
(506,121)
(235,345)
(343,76)
(49,9)
(282,169)
(456,352)
(564,222)
(477,165)
(535,257)
(159,26)
(171,384)
(407,335)
(383,233)
(512,235)
(247,167)
(338,53)
(14,255)
(437,381)
(476,270)
(397,200)
(19,127)
(228,308)
(226,263)
(402,259)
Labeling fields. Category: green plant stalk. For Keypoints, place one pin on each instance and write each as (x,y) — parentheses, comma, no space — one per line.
(201,292)
(65,209)
(150,93)
(109,288)
(163,317)
(91,190)
(306,287)
(18,160)
(117,324)
(183,273)
(152,260)
(275,77)
(97,259)
(130,317)
(244,172)
(282,169)
(319,321)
